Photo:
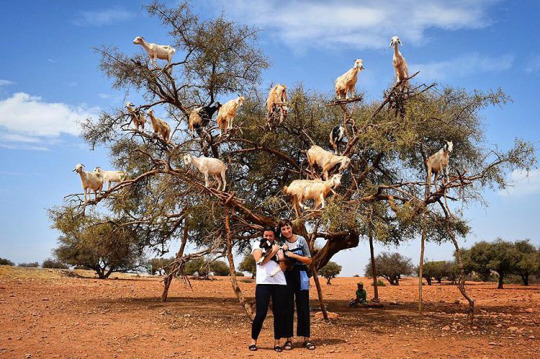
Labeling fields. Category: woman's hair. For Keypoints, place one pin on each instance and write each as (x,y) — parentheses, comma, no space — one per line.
(270,229)
(284,222)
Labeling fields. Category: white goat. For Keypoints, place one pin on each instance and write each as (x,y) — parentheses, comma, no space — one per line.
(346,83)
(400,65)
(111,176)
(317,190)
(161,128)
(277,99)
(439,162)
(137,117)
(208,165)
(227,113)
(155,51)
(326,160)
(90,181)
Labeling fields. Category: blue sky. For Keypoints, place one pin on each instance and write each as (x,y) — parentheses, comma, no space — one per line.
(50,80)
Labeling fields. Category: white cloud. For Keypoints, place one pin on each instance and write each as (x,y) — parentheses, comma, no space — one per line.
(355,23)
(5,83)
(101,18)
(463,66)
(533,65)
(28,120)
(523,184)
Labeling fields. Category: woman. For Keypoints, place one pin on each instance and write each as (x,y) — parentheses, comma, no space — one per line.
(270,283)
(297,249)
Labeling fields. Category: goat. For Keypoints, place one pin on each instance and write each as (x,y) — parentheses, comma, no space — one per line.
(317,190)
(277,98)
(161,128)
(439,162)
(346,83)
(400,65)
(137,117)
(111,176)
(326,160)
(208,165)
(155,51)
(201,116)
(227,113)
(336,137)
(90,181)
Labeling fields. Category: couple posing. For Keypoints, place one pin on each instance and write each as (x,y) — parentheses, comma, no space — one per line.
(285,287)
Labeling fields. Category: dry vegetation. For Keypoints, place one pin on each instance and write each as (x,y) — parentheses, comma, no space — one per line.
(48,314)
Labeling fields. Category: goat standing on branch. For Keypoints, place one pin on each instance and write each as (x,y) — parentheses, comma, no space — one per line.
(201,116)
(346,83)
(277,101)
(317,190)
(111,176)
(90,181)
(137,117)
(336,137)
(155,51)
(326,160)
(439,162)
(161,128)
(227,113)
(208,165)
(400,65)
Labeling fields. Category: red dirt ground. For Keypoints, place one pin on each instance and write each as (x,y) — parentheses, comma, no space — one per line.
(46,314)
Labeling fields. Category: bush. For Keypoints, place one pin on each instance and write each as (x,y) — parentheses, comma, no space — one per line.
(6,262)
(53,263)
(356,275)
(29,265)
(220,268)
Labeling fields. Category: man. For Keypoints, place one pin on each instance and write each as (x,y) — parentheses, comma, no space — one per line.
(361,296)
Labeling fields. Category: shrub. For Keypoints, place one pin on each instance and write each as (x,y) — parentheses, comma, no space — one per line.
(6,262)
(53,263)
(29,265)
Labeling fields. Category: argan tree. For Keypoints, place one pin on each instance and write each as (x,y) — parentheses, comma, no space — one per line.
(391,267)
(382,193)
(330,271)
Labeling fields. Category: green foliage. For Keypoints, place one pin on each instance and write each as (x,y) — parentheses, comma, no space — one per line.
(391,267)
(199,265)
(501,257)
(29,265)
(329,271)
(158,265)
(248,265)
(100,243)
(439,270)
(54,263)
(220,268)
(6,262)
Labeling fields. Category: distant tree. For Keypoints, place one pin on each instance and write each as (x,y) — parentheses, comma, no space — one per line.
(329,271)
(439,270)
(6,262)
(219,268)
(159,264)
(529,262)
(391,267)
(499,256)
(54,263)
(29,265)
(100,243)
(248,265)
(199,265)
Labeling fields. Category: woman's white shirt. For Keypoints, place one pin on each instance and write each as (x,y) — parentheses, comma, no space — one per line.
(264,271)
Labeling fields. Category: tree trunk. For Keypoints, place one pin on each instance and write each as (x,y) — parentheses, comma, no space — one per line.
(319,293)
(525,279)
(232,270)
(328,281)
(421,266)
(373,269)
(428,279)
(333,246)
(501,277)
(168,279)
